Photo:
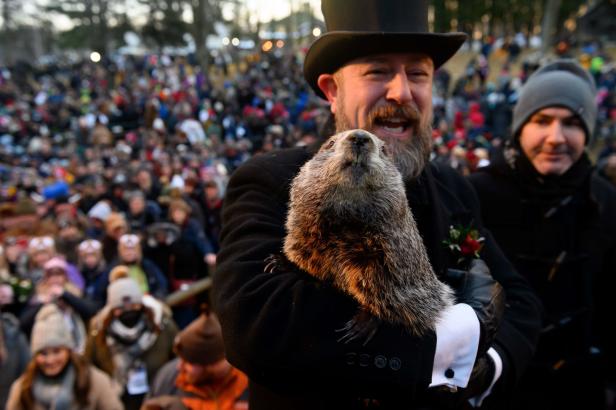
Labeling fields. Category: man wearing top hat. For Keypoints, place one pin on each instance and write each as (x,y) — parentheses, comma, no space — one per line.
(375,66)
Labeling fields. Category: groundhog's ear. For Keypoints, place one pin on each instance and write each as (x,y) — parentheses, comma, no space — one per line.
(327,84)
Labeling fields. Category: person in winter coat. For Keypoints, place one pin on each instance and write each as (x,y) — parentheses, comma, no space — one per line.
(191,255)
(55,287)
(375,66)
(131,337)
(141,212)
(14,354)
(92,266)
(41,249)
(57,377)
(115,227)
(192,247)
(556,221)
(149,277)
(201,377)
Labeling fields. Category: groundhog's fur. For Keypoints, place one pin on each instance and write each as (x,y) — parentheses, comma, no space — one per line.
(349,222)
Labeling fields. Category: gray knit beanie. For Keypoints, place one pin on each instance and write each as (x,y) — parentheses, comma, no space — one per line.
(123,290)
(50,330)
(561,83)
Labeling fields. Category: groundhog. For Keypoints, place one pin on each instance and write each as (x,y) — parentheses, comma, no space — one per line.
(349,223)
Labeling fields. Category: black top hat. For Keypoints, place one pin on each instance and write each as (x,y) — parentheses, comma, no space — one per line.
(359,28)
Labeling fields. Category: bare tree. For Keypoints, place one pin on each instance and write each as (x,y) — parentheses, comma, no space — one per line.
(205,14)
(548,27)
(90,18)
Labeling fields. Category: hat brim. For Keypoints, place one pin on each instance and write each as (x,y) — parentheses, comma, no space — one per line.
(334,49)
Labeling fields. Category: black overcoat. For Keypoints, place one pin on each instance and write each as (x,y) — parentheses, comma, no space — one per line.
(563,240)
(281,328)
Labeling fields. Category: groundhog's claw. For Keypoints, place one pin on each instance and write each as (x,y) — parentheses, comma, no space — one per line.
(278,263)
(362,326)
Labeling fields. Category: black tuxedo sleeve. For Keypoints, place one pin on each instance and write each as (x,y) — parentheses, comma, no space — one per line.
(280,328)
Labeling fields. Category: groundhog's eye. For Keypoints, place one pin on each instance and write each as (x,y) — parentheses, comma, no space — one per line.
(330,144)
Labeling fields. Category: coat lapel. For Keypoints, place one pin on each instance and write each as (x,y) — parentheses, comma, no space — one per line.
(435,209)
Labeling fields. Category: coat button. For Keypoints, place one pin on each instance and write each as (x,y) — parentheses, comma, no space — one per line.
(395,364)
(364,360)
(380,362)
(449,373)
(351,359)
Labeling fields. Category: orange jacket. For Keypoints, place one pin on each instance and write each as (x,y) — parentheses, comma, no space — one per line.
(226,395)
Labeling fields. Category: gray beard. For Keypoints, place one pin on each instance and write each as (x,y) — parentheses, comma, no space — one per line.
(410,157)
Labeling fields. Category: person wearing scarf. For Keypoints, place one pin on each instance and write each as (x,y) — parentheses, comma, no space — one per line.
(57,377)
(201,377)
(555,219)
(131,337)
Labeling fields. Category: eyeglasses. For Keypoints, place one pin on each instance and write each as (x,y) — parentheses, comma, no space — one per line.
(129,240)
(89,245)
(41,243)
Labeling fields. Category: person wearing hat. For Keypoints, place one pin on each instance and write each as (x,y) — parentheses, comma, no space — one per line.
(375,66)
(556,221)
(97,216)
(141,213)
(131,337)
(56,287)
(149,277)
(92,265)
(58,377)
(42,249)
(115,227)
(201,376)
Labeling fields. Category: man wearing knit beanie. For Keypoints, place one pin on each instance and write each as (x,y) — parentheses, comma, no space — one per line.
(201,376)
(555,219)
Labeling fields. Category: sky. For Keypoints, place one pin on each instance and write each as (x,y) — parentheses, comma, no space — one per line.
(267,10)
(263,10)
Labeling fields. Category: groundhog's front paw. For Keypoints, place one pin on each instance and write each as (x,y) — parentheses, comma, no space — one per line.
(361,327)
(277,263)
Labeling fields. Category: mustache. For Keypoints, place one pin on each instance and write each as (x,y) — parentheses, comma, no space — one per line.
(405,112)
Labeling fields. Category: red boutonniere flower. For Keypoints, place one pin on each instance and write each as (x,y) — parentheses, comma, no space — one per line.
(464,243)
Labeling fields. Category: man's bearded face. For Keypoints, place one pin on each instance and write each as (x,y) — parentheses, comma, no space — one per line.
(410,155)
(389,95)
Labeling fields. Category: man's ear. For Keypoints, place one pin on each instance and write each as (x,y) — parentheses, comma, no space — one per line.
(329,87)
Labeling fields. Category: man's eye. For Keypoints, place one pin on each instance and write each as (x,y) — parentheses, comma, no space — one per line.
(542,121)
(330,144)
(376,71)
(572,122)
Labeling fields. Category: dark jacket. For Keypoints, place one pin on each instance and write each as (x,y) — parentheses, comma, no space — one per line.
(157,281)
(188,252)
(15,352)
(560,233)
(281,329)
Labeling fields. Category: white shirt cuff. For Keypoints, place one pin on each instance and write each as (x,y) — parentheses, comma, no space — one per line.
(457,340)
(498,370)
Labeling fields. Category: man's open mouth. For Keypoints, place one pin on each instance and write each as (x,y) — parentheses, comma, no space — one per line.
(394,125)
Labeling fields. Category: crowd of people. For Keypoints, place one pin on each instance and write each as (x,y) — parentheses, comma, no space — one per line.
(112,179)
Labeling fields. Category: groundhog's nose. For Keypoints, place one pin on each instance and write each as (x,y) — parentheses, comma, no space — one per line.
(359,138)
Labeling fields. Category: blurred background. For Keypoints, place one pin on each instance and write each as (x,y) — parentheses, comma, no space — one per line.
(45,31)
